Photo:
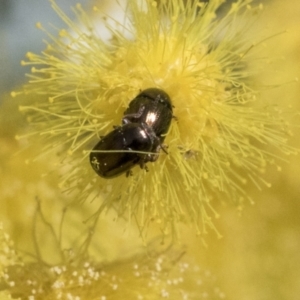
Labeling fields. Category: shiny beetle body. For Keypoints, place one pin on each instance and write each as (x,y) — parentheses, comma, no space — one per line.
(152,107)
(125,139)
(144,125)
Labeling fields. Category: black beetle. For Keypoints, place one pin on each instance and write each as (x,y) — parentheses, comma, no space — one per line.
(144,125)
(152,107)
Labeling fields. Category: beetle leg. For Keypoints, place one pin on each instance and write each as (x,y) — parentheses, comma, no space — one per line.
(164,147)
(152,157)
(129,173)
(143,165)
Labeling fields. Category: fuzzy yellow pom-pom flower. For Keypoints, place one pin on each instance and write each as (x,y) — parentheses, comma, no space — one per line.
(82,84)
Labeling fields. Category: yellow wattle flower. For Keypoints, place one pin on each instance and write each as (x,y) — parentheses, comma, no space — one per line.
(82,83)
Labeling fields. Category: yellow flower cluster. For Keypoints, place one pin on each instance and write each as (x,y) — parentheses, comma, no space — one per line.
(82,83)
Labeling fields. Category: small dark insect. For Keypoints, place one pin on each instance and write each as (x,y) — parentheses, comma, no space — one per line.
(144,125)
